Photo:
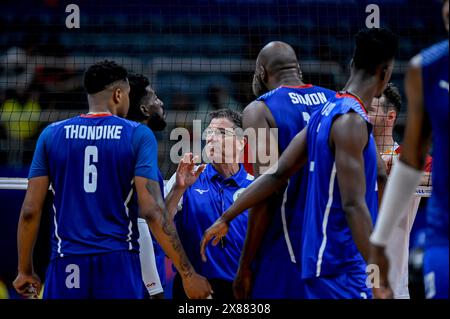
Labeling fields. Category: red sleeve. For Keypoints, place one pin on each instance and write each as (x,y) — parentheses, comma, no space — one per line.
(428,162)
(248,162)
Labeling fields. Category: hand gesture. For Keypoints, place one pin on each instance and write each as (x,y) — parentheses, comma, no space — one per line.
(218,230)
(186,174)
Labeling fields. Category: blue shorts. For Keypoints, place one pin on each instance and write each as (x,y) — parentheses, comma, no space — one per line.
(342,286)
(435,270)
(115,275)
(160,259)
(275,276)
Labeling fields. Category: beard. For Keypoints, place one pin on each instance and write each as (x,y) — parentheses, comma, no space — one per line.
(156,122)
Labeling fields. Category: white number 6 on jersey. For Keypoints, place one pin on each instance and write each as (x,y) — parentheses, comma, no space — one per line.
(90,170)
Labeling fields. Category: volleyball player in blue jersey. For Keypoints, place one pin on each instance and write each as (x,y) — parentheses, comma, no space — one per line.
(93,163)
(285,103)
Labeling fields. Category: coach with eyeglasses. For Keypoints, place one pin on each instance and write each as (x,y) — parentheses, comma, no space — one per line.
(203,197)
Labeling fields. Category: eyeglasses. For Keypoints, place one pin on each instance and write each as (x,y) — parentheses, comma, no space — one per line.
(223,132)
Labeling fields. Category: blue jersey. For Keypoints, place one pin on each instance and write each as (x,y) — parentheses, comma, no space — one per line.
(202,204)
(436,100)
(291,108)
(91,162)
(328,247)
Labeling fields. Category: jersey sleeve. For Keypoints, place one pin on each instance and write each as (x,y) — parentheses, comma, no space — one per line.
(146,150)
(39,165)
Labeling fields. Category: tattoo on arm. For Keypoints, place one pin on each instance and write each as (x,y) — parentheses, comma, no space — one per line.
(168,227)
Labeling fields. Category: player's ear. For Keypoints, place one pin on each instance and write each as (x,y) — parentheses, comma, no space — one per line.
(392,116)
(117,95)
(352,63)
(144,110)
(244,141)
(262,73)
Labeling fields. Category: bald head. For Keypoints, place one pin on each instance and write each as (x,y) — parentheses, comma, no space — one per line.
(276,56)
(276,65)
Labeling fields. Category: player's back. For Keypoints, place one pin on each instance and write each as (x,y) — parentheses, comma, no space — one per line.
(91,163)
(291,108)
(436,99)
(328,247)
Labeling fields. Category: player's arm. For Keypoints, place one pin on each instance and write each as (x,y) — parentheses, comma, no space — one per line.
(28,228)
(27,282)
(292,159)
(152,208)
(254,117)
(349,137)
(405,175)
(417,139)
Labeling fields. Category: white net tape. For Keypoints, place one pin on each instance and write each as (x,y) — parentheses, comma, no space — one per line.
(18,183)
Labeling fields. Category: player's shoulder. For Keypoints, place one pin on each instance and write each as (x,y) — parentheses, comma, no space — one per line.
(349,127)
(269,94)
(141,132)
(125,122)
(344,103)
(256,110)
(62,123)
(434,53)
(347,101)
(55,126)
(329,92)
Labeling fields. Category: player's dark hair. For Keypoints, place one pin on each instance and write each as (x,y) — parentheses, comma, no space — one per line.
(373,47)
(98,76)
(232,116)
(138,83)
(393,98)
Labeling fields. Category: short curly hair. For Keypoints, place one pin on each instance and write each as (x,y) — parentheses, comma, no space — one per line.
(393,98)
(373,47)
(101,74)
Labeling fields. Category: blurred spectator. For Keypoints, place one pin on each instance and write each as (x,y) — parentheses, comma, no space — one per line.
(20,122)
(13,70)
(182,102)
(219,97)
(3,291)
